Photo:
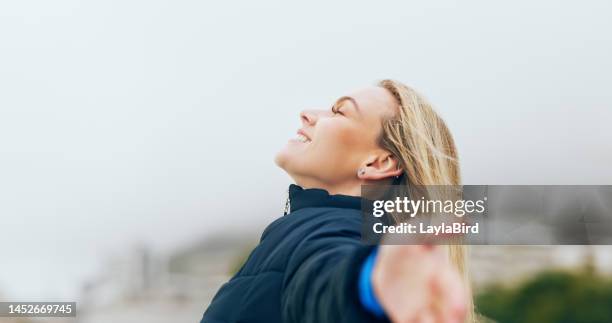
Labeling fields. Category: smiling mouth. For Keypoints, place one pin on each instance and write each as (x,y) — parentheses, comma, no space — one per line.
(301,138)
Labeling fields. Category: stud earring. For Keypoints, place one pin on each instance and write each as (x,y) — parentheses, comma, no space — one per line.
(361,171)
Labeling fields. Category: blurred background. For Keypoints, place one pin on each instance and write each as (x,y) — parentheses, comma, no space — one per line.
(137,137)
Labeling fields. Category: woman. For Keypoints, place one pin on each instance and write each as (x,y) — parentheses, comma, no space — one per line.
(310,265)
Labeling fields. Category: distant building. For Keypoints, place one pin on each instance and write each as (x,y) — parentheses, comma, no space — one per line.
(162,288)
(198,271)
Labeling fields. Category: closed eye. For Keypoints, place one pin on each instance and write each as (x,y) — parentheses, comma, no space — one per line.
(336,110)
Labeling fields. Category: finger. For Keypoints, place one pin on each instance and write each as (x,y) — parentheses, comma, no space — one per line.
(437,258)
(413,267)
(451,295)
(422,316)
(427,317)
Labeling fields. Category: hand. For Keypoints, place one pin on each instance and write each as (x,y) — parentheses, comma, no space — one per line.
(418,284)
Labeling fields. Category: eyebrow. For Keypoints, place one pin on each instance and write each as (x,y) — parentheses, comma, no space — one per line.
(348,98)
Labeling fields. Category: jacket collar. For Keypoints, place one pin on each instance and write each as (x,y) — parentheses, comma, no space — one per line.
(300,198)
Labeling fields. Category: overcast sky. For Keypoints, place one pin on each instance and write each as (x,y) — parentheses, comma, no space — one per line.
(156,122)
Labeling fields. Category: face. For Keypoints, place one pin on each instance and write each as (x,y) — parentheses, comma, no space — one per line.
(334,143)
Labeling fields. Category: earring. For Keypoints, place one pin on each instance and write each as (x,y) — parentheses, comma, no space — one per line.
(361,171)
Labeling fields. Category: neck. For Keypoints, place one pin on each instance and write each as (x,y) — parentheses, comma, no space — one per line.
(351,189)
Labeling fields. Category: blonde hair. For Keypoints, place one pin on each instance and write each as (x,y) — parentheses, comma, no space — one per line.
(426,151)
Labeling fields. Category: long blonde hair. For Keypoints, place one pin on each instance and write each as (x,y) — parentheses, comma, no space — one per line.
(420,140)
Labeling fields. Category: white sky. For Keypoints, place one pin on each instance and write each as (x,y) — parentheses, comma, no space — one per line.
(156,122)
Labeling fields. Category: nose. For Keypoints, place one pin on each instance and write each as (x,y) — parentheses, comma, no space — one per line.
(309,117)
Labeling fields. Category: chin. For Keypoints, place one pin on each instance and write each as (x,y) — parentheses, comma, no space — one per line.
(285,155)
(289,162)
(282,157)
(278,160)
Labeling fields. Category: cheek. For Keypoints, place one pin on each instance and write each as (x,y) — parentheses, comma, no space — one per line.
(337,142)
(349,138)
(336,151)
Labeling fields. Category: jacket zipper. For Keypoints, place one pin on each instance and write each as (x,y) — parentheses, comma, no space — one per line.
(287,204)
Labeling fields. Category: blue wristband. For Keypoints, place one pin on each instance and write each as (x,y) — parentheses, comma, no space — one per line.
(366,292)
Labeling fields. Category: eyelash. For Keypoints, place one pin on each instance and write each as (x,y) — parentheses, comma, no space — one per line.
(335,110)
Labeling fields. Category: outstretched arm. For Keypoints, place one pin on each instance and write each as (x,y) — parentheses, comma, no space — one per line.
(411,283)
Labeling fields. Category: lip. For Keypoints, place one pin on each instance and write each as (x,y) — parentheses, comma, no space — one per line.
(303,133)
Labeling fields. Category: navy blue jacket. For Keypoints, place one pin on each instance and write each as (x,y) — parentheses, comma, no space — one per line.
(305,268)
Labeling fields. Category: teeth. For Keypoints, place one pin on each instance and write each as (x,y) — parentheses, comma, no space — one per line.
(302,138)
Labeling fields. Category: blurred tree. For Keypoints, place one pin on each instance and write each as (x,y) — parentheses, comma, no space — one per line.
(552,297)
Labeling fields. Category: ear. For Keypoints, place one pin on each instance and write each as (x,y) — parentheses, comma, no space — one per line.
(380,166)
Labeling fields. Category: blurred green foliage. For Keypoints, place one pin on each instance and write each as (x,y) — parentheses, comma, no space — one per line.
(551,297)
